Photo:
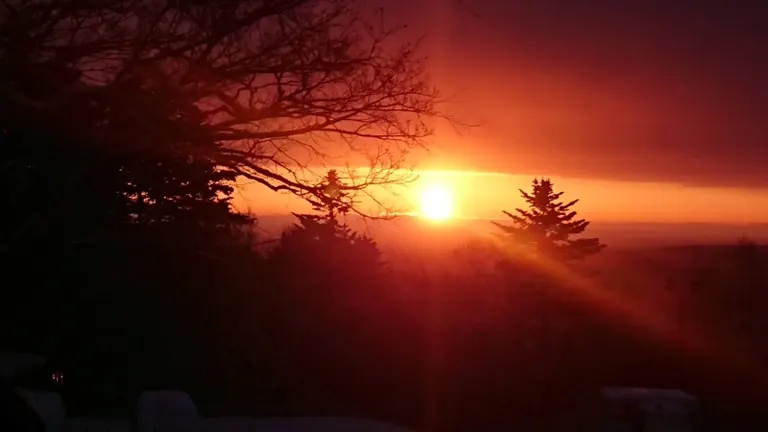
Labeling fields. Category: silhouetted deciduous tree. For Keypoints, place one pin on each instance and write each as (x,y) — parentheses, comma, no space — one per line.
(277,85)
(550,225)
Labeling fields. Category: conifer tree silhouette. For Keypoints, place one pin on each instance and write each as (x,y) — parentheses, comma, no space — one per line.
(549,225)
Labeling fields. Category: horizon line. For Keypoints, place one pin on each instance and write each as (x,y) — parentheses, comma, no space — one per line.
(600,221)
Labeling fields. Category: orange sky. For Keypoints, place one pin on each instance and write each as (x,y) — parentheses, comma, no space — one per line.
(646,112)
(484,195)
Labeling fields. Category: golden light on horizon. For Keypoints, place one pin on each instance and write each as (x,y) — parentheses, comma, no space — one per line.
(483,195)
(436,202)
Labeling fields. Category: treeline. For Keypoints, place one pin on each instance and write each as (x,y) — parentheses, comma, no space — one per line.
(321,323)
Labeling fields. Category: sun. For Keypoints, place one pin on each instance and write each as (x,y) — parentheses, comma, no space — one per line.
(436,203)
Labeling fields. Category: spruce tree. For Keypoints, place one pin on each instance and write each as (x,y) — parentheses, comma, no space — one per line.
(323,240)
(549,225)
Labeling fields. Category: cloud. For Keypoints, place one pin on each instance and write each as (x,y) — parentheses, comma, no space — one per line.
(651,91)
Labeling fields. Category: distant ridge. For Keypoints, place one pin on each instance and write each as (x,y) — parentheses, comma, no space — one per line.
(403,229)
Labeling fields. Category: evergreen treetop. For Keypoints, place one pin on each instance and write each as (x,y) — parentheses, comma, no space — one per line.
(549,225)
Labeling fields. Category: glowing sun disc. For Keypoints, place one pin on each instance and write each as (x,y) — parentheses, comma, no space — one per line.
(436,203)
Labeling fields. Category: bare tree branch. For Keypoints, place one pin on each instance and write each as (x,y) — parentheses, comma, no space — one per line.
(280,85)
